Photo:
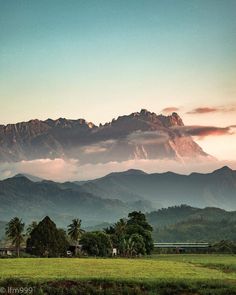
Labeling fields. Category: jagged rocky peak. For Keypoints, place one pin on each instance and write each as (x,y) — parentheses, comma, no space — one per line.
(172,120)
(91,125)
(145,112)
(176,120)
(68,123)
(33,121)
(151,117)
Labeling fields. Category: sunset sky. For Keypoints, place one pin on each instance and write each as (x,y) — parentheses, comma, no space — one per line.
(98,59)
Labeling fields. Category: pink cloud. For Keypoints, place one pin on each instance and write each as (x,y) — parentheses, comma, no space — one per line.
(170,110)
(206,110)
(203,110)
(203,131)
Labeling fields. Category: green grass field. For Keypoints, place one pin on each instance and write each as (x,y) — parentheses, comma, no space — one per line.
(188,269)
(157,267)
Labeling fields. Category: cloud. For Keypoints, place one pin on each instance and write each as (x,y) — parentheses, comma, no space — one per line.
(147,137)
(203,110)
(206,110)
(44,168)
(100,147)
(63,170)
(170,110)
(203,131)
(94,149)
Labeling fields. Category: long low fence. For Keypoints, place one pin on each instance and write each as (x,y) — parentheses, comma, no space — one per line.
(181,245)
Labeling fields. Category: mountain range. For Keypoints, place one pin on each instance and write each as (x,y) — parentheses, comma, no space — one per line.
(31,200)
(140,135)
(216,189)
(111,197)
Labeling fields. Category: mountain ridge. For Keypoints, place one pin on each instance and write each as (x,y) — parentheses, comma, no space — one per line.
(35,178)
(61,201)
(167,189)
(190,224)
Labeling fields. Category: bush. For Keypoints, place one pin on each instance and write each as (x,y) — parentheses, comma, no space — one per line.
(96,244)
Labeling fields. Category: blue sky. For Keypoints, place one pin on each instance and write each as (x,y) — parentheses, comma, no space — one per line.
(100,59)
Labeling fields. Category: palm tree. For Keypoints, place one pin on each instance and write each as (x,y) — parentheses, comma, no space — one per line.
(120,227)
(127,247)
(14,231)
(75,231)
(131,247)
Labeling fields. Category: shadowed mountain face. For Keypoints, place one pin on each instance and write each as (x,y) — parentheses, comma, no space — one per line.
(188,224)
(167,189)
(174,215)
(141,135)
(31,200)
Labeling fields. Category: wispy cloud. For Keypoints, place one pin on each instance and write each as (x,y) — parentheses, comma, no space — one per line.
(56,169)
(203,110)
(147,137)
(203,131)
(206,110)
(94,149)
(100,147)
(170,110)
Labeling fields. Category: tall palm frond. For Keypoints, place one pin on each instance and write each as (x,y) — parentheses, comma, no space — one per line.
(14,231)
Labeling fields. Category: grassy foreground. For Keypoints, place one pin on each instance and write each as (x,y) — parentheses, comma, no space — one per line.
(174,274)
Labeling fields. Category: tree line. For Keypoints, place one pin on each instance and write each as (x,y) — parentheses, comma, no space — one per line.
(129,237)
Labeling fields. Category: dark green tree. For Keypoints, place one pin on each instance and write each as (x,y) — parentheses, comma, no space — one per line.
(117,232)
(104,244)
(138,218)
(224,247)
(14,231)
(132,245)
(137,224)
(89,243)
(96,243)
(120,227)
(46,240)
(138,245)
(31,227)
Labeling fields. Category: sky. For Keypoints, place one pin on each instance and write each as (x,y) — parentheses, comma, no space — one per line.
(101,59)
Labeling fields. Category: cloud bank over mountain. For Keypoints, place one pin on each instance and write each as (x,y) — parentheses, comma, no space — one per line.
(76,149)
(63,170)
(140,135)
